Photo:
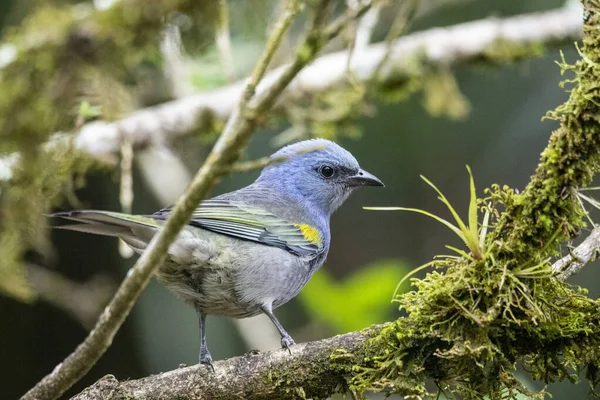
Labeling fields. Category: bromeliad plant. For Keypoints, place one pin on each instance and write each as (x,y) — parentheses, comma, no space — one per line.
(470,233)
(480,313)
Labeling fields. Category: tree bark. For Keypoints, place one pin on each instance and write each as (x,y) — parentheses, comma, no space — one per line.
(315,370)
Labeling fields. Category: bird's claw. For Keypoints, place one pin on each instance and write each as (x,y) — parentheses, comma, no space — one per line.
(206,359)
(286,342)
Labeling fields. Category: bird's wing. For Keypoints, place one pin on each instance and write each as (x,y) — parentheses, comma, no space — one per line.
(254,224)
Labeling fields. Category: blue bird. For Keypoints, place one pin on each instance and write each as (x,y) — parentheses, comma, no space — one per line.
(249,251)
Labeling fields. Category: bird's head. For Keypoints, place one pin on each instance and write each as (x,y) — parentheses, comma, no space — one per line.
(316,171)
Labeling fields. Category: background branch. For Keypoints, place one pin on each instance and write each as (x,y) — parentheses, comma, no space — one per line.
(451,46)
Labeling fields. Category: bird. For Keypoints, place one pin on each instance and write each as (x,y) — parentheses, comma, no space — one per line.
(252,250)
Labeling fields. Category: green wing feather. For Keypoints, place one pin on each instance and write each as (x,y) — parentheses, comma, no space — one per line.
(254,224)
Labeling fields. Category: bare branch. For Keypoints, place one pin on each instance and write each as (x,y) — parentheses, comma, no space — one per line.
(449,46)
(583,254)
(319,368)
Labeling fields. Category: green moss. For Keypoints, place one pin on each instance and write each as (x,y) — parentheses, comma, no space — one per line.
(443,98)
(331,114)
(47,178)
(470,323)
(504,52)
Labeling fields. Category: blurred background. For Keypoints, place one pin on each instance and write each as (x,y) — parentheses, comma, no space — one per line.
(499,135)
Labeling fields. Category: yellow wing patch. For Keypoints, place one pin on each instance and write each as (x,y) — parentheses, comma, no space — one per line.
(311,234)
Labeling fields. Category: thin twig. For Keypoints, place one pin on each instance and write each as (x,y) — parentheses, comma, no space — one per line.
(225,152)
(363,30)
(247,166)
(338,24)
(292,9)
(126,187)
(583,254)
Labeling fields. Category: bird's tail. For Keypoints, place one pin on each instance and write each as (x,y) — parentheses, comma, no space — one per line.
(135,230)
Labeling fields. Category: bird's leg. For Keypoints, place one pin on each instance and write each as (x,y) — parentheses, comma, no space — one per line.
(205,357)
(286,339)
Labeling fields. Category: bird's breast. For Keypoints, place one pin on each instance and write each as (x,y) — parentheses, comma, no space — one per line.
(222,275)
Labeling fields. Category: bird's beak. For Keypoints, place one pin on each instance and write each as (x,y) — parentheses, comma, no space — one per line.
(363,178)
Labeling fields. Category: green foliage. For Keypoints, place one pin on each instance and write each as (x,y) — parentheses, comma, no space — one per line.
(441,94)
(331,114)
(504,52)
(359,301)
(442,97)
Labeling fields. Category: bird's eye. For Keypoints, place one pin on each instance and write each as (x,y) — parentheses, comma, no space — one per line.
(326,171)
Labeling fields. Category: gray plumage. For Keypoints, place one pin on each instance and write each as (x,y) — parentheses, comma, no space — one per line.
(254,249)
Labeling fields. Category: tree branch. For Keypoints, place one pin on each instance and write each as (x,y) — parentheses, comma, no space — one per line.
(319,368)
(449,46)
(583,254)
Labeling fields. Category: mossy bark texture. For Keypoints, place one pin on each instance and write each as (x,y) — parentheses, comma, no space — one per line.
(312,370)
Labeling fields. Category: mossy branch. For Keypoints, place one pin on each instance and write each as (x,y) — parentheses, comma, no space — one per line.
(313,370)
(547,211)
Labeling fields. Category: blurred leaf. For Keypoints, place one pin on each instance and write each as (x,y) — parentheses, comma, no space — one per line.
(357,302)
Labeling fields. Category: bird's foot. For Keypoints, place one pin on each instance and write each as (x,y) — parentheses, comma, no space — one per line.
(206,359)
(286,342)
